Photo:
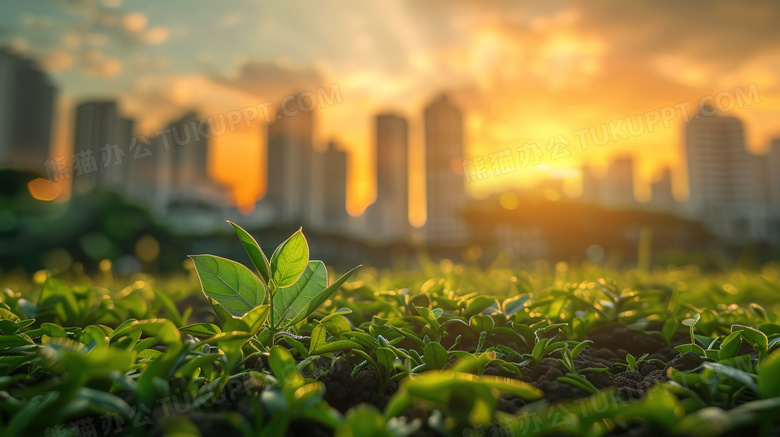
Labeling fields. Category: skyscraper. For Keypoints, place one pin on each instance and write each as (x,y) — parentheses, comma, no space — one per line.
(290,152)
(618,186)
(26,108)
(388,216)
(182,158)
(721,177)
(445,190)
(591,185)
(332,188)
(661,191)
(189,148)
(100,152)
(772,189)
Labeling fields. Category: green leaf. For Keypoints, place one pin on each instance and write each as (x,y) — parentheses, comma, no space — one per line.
(297,345)
(769,377)
(290,301)
(363,420)
(283,368)
(631,362)
(229,283)
(53,330)
(106,402)
(256,318)
(335,346)
(290,260)
(163,329)
(429,316)
(318,337)
(477,305)
(435,356)
(320,298)
(337,326)
(683,348)
(480,323)
(755,337)
(580,347)
(254,251)
(730,345)
(220,311)
(201,330)
(28,413)
(9,341)
(739,375)
(161,369)
(385,357)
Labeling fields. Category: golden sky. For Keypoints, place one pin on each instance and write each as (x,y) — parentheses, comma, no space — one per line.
(521,71)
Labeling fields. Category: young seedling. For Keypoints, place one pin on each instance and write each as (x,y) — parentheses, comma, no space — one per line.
(294,286)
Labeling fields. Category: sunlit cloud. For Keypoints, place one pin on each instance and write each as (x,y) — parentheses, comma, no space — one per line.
(134,22)
(57,60)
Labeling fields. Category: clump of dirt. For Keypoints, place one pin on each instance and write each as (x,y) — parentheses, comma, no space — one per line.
(685,362)
(343,392)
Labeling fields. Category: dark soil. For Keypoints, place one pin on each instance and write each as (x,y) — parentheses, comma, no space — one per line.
(608,352)
(343,392)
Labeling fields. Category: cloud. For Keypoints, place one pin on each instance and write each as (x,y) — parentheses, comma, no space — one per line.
(134,22)
(84,36)
(272,80)
(57,60)
(96,64)
(156,35)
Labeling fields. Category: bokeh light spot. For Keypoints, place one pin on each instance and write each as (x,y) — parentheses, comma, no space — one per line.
(147,248)
(41,189)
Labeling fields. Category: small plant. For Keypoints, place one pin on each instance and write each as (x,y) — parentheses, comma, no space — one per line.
(295,286)
(573,378)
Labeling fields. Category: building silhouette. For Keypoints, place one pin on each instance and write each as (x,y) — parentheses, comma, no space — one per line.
(185,193)
(102,139)
(27,98)
(445,190)
(662,195)
(722,178)
(329,204)
(388,217)
(290,155)
(772,191)
(591,185)
(617,188)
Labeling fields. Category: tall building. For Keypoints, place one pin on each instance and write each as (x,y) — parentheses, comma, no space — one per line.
(772,190)
(330,188)
(26,108)
(290,155)
(101,148)
(662,193)
(722,178)
(388,216)
(618,186)
(445,190)
(591,185)
(189,150)
(182,158)
(155,189)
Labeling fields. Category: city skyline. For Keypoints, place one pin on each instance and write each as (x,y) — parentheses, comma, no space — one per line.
(731,189)
(521,72)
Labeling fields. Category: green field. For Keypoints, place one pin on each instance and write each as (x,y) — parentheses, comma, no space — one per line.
(274,347)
